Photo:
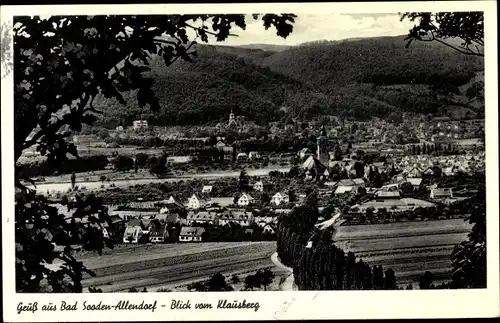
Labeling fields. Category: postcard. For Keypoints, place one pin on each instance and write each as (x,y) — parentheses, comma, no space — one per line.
(250,161)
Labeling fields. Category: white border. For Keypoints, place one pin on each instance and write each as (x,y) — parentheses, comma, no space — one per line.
(273,305)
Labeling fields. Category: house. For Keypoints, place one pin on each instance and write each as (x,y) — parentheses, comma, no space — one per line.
(279,198)
(158,233)
(390,187)
(414,172)
(245,199)
(249,231)
(414,181)
(355,182)
(142,205)
(149,223)
(207,189)
(313,164)
(202,217)
(379,195)
(164,210)
(169,207)
(191,234)
(243,218)
(254,155)
(441,193)
(105,232)
(242,157)
(197,201)
(344,190)
(429,171)
(394,205)
(174,202)
(304,152)
(173,218)
(268,229)
(140,124)
(258,186)
(162,217)
(117,227)
(134,231)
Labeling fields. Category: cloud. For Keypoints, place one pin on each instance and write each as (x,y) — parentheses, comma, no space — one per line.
(323,27)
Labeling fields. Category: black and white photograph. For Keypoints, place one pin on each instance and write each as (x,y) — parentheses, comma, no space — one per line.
(248,152)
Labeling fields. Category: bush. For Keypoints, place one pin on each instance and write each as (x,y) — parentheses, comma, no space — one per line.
(123,163)
(78,165)
(103,134)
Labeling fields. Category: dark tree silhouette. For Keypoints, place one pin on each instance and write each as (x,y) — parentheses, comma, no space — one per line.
(469,257)
(235,279)
(73,180)
(244,180)
(440,27)
(266,277)
(390,280)
(160,168)
(123,163)
(426,280)
(252,281)
(141,160)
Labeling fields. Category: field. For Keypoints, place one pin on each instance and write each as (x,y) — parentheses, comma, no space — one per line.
(409,248)
(174,265)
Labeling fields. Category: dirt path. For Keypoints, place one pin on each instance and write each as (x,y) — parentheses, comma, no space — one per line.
(288,284)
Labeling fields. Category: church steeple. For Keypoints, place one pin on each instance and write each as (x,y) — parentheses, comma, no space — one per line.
(323,132)
(322,151)
(231,117)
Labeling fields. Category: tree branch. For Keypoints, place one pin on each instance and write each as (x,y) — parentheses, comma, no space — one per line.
(91,106)
(43,131)
(207,31)
(54,127)
(163,41)
(187,48)
(470,52)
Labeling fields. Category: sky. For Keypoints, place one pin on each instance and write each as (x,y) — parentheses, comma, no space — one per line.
(322,27)
(317,27)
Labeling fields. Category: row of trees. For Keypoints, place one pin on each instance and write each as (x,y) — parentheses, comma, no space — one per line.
(323,266)
(218,282)
(81,164)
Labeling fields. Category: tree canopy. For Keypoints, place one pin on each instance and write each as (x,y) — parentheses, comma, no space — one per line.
(443,26)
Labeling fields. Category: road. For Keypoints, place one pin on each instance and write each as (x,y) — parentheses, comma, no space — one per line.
(174,264)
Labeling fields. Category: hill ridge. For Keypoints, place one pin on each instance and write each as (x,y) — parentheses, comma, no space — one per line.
(357,79)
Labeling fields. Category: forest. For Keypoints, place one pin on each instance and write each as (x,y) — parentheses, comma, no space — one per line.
(352,79)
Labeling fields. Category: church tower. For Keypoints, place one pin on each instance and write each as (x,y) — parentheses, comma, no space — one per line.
(231,118)
(322,151)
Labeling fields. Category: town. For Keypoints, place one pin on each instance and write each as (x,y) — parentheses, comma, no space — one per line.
(362,170)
